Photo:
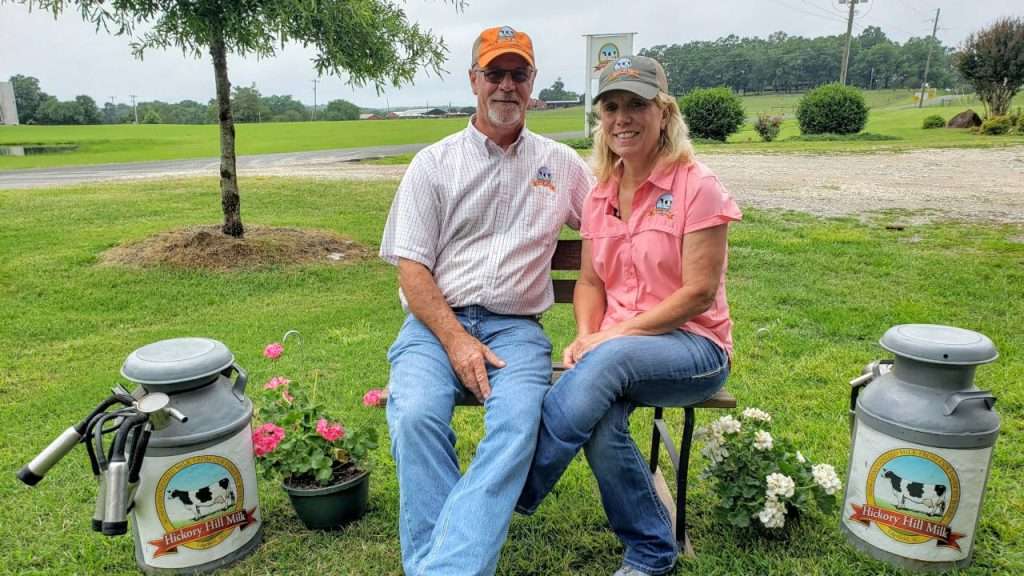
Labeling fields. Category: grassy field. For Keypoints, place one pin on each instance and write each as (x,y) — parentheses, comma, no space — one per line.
(810,299)
(892,114)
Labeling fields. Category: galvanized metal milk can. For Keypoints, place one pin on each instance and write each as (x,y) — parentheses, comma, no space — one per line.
(923,436)
(197,505)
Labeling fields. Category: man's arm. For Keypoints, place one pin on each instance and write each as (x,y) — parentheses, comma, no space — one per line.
(468,356)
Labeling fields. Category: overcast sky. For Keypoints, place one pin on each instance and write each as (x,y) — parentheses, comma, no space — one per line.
(69,57)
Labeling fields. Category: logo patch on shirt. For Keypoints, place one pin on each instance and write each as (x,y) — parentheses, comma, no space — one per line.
(544,178)
(663,207)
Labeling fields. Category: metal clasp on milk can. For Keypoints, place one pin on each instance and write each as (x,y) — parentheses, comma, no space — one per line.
(922,440)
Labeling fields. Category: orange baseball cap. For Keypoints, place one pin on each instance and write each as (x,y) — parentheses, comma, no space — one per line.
(494,42)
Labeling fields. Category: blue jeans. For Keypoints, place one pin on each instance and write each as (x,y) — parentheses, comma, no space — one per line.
(589,407)
(451,523)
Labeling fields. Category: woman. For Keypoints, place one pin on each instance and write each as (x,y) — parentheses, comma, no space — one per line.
(651,314)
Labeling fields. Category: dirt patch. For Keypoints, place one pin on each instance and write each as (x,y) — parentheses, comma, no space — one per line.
(206,247)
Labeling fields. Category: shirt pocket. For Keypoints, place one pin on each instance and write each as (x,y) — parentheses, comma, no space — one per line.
(542,214)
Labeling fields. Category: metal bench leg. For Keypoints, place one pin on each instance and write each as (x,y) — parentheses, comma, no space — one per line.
(655,440)
(681,475)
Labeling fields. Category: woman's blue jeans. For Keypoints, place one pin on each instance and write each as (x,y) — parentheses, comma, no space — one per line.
(589,407)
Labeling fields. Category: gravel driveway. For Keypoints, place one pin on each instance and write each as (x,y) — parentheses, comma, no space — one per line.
(964,184)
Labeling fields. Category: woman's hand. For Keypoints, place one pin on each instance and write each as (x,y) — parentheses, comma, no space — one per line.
(579,347)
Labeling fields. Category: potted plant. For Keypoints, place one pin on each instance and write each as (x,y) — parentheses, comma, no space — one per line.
(762,480)
(323,465)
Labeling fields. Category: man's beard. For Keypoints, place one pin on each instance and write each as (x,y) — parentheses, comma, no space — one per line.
(502,115)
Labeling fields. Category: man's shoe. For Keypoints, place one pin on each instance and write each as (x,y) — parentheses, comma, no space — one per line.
(629,571)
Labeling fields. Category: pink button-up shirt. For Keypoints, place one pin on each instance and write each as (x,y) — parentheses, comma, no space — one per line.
(640,261)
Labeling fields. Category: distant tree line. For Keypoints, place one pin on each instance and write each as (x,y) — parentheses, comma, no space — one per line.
(38,107)
(792,63)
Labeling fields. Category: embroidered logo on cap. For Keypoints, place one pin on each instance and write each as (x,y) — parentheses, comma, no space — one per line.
(623,67)
(544,179)
(506,33)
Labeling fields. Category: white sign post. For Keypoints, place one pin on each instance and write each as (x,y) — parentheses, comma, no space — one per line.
(602,50)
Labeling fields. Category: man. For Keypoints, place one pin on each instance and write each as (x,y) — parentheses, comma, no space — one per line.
(472,230)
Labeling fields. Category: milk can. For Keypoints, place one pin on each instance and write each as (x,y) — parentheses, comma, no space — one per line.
(196,507)
(923,436)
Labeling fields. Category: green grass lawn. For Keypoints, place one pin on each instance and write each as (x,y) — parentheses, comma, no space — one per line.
(892,114)
(810,298)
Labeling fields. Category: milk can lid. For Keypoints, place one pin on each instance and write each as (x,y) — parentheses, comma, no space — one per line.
(177,360)
(939,344)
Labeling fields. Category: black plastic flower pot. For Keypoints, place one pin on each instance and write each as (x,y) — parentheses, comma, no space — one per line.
(331,507)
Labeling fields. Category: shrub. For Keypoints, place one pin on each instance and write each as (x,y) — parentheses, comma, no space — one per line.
(934,121)
(996,125)
(768,126)
(832,108)
(579,143)
(712,113)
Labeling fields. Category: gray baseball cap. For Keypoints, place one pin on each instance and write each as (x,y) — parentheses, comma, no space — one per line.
(640,75)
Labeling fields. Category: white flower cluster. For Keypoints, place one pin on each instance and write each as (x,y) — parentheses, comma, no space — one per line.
(826,477)
(714,435)
(762,440)
(757,414)
(773,515)
(779,485)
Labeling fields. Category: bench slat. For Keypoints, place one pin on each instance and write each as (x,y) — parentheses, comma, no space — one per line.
(563,290)
(568,255)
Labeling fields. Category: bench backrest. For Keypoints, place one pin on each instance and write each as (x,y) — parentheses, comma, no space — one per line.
(567,257)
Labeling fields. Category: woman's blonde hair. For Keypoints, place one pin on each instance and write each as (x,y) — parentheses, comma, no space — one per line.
(674,145)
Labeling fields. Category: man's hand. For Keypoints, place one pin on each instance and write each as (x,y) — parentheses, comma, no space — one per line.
(469,358)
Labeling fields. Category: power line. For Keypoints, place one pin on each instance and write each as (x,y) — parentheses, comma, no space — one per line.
(928,61)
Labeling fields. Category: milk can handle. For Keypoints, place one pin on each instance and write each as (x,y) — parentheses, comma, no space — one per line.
(955,399)
(238,388)
(871,371)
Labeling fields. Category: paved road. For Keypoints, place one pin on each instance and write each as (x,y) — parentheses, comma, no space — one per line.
(69,175)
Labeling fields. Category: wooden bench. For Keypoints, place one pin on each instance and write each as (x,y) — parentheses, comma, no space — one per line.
(567,258)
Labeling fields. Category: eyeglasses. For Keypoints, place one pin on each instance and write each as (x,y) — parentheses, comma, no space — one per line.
(497,75)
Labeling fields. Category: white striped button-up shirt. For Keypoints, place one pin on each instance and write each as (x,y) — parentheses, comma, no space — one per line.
(484,220)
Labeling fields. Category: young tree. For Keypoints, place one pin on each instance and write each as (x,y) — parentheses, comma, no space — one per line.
(992,60)
(370,40)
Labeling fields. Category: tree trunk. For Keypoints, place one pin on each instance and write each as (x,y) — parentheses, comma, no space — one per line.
(229,199)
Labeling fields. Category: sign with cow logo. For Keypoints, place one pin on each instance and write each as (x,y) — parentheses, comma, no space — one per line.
(607,54)
(916,501)
(605,49)
(198,506)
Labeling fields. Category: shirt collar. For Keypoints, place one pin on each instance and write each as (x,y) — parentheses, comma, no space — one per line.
(486,147)
(661,178)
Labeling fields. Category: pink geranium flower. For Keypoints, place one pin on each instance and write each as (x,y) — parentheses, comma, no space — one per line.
(328,431)
(374,397)
(276,382)
(273,351)
(266,438)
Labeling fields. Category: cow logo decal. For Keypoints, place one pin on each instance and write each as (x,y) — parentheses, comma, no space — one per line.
(606,55)
(663,207)
(200,501)
(506,33)
(912,496)
(544,179)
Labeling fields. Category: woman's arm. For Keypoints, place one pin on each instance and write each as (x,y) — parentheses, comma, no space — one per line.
(588,302)
(703,255)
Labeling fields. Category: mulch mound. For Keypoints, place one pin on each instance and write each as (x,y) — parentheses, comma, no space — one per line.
(206,247)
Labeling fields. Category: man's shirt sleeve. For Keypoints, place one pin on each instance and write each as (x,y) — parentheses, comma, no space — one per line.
(414,223)
(581,181)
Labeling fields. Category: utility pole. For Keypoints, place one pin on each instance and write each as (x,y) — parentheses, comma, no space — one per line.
(135,108)
(849,38)
(315,80)
(928,60)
